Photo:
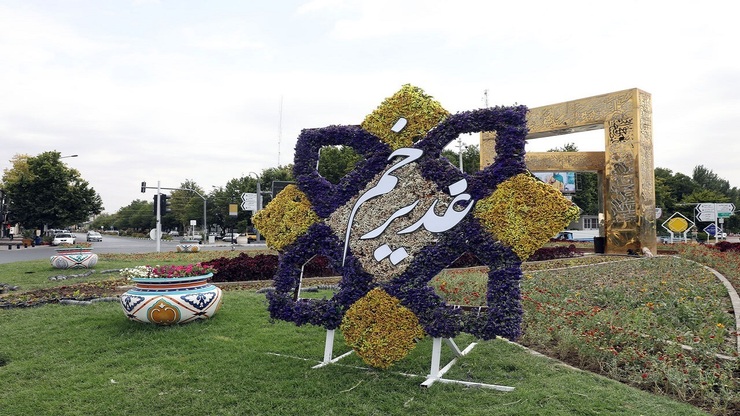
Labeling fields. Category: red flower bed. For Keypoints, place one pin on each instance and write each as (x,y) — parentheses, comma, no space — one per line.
(261,267)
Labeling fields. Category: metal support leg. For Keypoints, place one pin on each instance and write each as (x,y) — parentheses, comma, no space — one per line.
(329,350)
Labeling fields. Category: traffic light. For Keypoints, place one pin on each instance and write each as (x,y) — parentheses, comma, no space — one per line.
(143,187)
(163,208)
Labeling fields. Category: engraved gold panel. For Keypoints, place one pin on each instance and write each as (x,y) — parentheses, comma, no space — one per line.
(565,161)
(626,164)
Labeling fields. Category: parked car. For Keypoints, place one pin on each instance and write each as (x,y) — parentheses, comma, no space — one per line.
(63,238)
(231,237)
(94,236)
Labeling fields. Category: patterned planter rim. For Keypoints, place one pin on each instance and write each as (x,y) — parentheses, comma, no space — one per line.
(178,281)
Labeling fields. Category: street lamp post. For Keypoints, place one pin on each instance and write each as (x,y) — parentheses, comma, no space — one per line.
(259,205)
(205,224)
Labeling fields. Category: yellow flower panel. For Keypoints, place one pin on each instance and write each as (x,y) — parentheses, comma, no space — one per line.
(286,218)
(380,329)
(420,110)
(524,213)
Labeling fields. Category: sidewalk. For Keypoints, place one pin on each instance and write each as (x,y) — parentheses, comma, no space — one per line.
(13,244)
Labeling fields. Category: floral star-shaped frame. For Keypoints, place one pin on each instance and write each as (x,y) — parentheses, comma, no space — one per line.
(397,238)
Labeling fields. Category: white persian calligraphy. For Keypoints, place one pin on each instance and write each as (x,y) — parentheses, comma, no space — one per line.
(386,184)
(430,220)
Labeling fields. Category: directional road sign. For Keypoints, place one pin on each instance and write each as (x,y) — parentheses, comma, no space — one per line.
(706,207)
(249,201)
(706,216)
(724,208)
(706,212)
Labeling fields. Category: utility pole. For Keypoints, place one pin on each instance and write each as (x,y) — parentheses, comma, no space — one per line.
(159,214)
(459,152)
(159,218)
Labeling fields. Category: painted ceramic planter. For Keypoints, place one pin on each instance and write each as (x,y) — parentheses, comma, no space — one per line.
(187,248)
(169,301)
(74,258)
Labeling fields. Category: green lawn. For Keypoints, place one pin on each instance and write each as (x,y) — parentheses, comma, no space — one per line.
(625,319)
(90,360)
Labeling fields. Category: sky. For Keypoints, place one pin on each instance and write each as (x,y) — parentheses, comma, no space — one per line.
(167,91)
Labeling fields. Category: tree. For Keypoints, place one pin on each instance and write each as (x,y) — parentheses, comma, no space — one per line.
(681,186)
(663,196)
(185,205)
(568,147)
(707,179)
(103,221)
(137,216)
(280,173)
(337,161)
(471,158)
(220,198)
(43,191)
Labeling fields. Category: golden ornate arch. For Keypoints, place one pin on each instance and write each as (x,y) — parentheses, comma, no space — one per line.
(625,168)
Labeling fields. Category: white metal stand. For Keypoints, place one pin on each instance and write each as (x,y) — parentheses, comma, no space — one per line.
(329,351)
(435,373)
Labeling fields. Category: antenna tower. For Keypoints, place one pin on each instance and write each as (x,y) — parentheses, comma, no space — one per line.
(280,127)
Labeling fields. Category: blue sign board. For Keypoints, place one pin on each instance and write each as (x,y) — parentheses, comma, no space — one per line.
(711,229)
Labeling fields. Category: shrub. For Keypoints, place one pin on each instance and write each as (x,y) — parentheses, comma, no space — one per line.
(727,246)
(552,253)
(244,267)
(261,267)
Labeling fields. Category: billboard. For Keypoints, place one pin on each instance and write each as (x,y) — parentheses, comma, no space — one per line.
(565,182)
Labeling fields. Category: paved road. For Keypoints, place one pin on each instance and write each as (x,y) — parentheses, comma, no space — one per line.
(110,244)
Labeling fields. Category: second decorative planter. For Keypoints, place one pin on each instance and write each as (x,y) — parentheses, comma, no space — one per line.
(74,258)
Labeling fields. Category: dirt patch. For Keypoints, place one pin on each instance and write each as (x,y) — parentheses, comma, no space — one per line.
(78,291)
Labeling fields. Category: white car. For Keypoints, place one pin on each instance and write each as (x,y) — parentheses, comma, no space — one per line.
(63,238)
(231,238)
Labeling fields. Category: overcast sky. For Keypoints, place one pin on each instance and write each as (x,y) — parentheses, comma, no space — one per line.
(146,90)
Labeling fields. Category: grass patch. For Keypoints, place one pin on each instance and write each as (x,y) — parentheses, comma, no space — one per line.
(65,360)
(69,360)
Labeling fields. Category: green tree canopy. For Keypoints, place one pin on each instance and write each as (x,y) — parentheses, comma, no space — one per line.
(185,205)
(138,215)
(471,158)
(337,161)
(220,197)
(43,191)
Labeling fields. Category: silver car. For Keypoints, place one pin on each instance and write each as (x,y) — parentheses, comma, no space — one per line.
(94,236)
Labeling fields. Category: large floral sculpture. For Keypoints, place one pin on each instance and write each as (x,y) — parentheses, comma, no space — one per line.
(403,215)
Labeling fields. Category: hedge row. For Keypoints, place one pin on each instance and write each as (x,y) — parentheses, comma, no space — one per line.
(264,266)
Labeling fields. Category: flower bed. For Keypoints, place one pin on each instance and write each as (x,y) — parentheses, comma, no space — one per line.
(723,257)
(659,324)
